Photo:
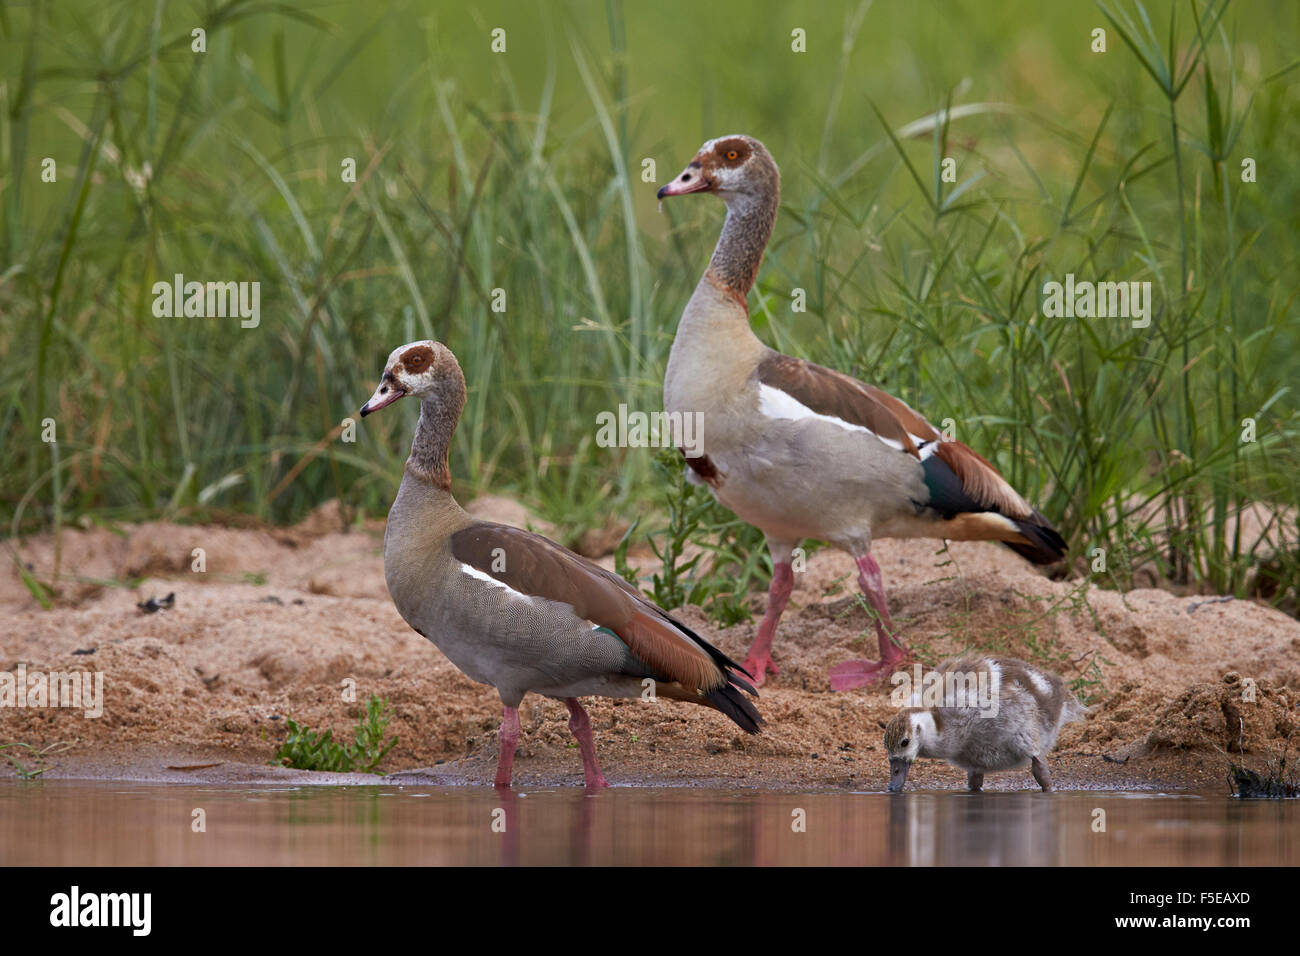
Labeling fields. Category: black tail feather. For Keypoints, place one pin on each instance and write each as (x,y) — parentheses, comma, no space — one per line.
(1045,545)
(736,705)
(727,698)
(733,675)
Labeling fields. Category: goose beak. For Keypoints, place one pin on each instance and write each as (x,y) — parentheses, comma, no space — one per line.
(385,395)
(692,180)
(898,768)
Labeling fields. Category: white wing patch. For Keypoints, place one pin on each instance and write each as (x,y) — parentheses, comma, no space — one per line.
(775,403)
(1040,682)
(475,573)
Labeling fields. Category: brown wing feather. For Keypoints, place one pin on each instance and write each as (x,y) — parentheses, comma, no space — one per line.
(980,487)
(907,416)
(537,566)
(828,392)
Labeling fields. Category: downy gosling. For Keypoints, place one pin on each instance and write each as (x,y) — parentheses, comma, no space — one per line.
(993,713)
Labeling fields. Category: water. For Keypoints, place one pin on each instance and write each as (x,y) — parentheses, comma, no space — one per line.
(77,823)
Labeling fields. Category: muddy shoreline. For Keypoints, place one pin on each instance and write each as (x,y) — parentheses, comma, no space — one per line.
(215,767)
(278,619)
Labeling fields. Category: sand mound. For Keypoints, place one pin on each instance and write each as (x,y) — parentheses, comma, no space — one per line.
(278,619)
(1231,715)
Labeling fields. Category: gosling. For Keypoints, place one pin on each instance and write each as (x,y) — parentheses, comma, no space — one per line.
(994,713)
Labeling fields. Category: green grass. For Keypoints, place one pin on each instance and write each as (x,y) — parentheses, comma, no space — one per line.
(1028,628)
(731,557)
(521,171)
(24,771)
(305,749)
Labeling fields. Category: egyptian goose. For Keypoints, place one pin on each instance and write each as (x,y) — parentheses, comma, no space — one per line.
(515,610)
(802,451)
(993,713)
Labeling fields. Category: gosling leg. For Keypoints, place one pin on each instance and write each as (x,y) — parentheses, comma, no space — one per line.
(974,781)
(1041,774)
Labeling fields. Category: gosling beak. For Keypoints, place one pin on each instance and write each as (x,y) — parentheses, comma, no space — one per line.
(387,393)
(898,768)
(692,180)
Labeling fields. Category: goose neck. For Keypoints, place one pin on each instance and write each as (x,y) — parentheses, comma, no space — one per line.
(430,448)
(745,234)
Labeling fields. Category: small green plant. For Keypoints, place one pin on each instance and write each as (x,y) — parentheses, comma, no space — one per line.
(306,749)
(721,586)
(625,570)
(1028,630)
(37,590)
(25,772)
(1090,685)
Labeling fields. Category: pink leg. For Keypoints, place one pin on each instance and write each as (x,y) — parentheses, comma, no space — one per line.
(580,724)
(856,673)
(509,738)
(759,659)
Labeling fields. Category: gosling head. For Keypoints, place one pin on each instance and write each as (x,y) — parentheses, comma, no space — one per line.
(731,166)
(423,369)
(905,734)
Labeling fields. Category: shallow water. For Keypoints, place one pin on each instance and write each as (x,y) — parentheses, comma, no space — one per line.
(78,823)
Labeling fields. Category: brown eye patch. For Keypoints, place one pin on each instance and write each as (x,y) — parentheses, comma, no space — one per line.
(417,359)
(732,152)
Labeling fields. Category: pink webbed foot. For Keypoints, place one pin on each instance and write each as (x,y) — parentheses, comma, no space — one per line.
(594,779)
(760,666)
(850,674)
(857,673)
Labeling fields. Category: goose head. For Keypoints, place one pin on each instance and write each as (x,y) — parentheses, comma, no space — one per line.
(906,735)
(733,167)
(423,369)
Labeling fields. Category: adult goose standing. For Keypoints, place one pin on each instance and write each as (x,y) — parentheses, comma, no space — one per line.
(515,610)
(801,451)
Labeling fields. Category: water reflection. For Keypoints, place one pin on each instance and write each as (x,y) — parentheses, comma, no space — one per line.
(71,823)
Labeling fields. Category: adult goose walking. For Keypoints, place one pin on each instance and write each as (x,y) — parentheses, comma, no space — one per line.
(515,610)
(802,451)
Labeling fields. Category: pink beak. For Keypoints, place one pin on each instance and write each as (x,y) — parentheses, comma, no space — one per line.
(690,181)
(387,393)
